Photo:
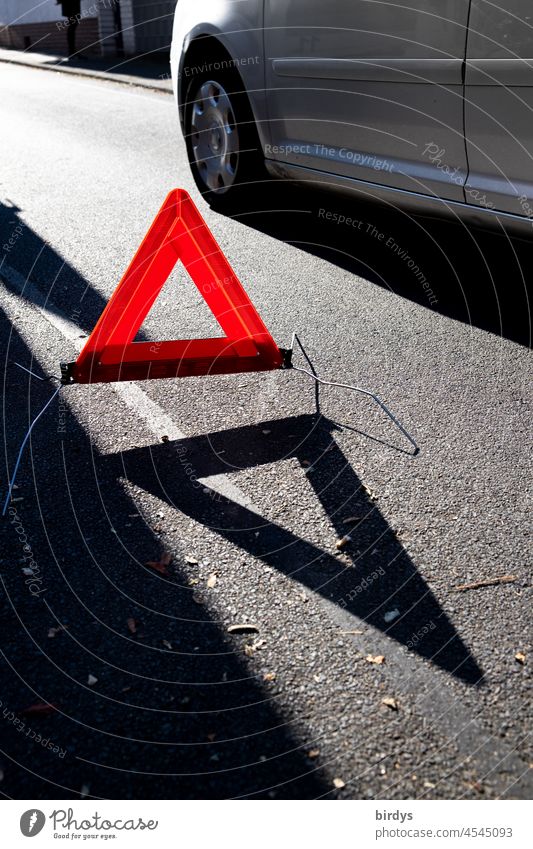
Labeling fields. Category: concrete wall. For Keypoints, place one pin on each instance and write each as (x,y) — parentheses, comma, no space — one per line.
(153,25)
(47,37)
(108,28)
(36,25)
(146,26)
(22,12)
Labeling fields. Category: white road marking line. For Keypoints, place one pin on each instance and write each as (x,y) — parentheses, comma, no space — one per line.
(132,396)
(456,721)
(38,299)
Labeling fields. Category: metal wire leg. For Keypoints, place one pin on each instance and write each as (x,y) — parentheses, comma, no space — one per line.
(21,449)
(319,380)
(311,366)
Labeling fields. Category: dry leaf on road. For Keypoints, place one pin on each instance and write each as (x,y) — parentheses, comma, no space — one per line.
(391,615)
(39,709)
(56,630)
(243,628)
(375,658)
(489,582)
(161,564)
(212,581)
(250,649)
(339,783)
(390,702)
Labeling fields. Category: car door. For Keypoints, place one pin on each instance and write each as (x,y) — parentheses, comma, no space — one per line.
(369,89)
(499,106)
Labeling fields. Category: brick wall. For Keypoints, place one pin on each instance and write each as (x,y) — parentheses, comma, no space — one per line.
(46,37)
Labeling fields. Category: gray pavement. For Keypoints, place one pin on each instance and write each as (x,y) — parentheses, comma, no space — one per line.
(147,72)
(181,708)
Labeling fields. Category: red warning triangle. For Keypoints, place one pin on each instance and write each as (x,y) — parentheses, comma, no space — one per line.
(178,233)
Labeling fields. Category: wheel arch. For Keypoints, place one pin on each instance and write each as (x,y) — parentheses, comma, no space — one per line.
(203,49)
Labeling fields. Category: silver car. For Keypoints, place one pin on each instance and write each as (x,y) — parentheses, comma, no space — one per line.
(426,104)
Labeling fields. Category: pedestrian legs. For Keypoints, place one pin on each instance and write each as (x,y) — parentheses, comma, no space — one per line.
(71,36)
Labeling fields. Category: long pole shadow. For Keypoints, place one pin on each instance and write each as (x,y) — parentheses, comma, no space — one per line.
(373,577)
(338,489)
(174,712)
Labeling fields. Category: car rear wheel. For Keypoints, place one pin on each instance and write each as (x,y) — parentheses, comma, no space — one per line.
(222,142)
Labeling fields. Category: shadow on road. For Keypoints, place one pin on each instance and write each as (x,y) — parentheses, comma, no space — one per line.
(473,276)
(166,470)
(153,68)
(183,718)
(175,712)
(187,721)
(64,292)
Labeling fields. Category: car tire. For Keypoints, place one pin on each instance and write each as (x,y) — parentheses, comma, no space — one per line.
(223,146)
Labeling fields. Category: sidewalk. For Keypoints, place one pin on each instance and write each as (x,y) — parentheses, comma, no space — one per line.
(128,71)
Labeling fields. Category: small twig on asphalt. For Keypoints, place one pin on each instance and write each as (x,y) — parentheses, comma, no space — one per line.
(489,582)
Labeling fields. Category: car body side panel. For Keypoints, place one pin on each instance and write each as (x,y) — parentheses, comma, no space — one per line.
(313,71)
(416,203)
(369,90)
(499,106)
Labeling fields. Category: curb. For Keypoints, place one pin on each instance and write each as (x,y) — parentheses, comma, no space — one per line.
(163,86)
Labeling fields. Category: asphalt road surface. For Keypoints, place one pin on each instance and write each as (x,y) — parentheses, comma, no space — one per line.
(367,673)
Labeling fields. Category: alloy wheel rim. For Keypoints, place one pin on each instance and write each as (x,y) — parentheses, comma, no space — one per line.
(214,137)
